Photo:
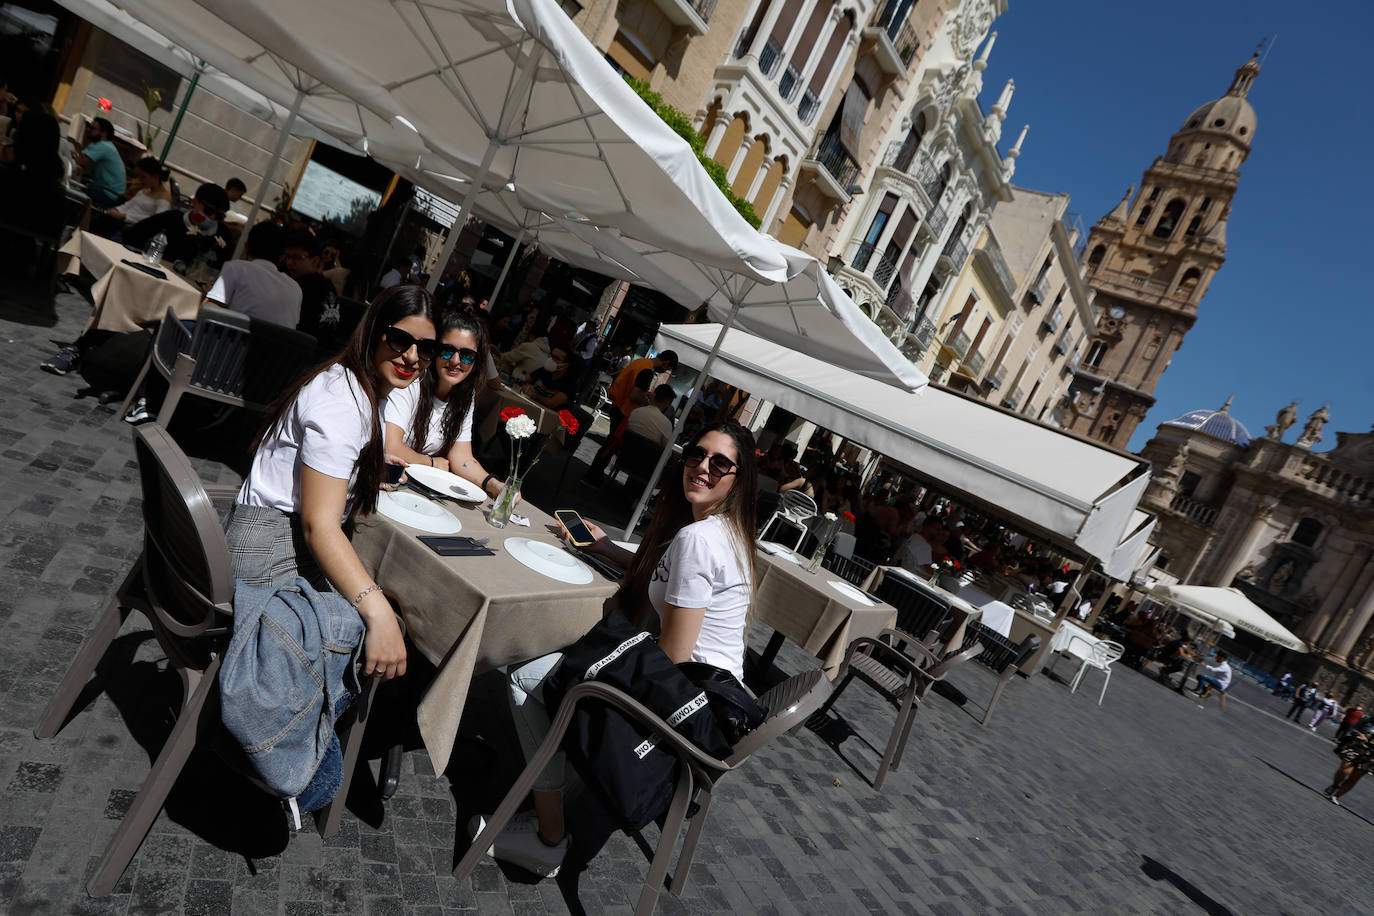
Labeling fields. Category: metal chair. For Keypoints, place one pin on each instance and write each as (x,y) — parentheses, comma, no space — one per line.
(1000,656)
(183,583)
(794,508)
(900,678)
(229,357)
(854,570)
(637,457)
(789,705)
(1100,655)
(919,612)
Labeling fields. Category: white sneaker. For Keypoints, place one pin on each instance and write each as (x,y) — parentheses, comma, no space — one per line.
(519,844)
(138,413)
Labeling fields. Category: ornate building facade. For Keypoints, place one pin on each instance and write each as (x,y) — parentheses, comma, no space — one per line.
(1290,527)
(1152,258)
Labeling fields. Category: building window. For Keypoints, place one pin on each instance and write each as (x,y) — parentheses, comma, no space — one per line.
(875,230)
(1193,226)
(1154,194)
(1191,276)
(1307,532)
(1143,217)
(1206,202)
(1098,253)
(1096,352)
(912,143)
(629,56)
(1187,484)
(1172,213)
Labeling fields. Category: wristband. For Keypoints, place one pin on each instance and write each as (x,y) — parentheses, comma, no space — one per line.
(486,480)
(431,462)
(364,593)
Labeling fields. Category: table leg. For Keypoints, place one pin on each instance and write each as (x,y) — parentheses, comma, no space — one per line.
(770,651)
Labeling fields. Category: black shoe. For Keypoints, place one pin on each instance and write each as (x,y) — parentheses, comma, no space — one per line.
(62,362)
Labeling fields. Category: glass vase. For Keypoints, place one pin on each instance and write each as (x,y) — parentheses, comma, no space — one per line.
(826,536)
(505,502)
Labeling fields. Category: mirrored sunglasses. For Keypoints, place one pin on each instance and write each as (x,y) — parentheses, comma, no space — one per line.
(466,355)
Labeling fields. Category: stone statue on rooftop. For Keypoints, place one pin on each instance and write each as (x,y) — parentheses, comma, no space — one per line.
(1312,432)
(1285,419)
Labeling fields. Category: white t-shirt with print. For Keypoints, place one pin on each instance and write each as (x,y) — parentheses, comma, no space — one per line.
(701,568)
(325,429)
(399,410)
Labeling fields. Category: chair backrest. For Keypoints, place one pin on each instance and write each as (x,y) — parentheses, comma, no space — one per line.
(186,564)
(247,359)
(918,612)
(638,455)
(854,570)
(844,544)
(797,505)
(172,339)
(1106,652)
(999,652)
(789,704)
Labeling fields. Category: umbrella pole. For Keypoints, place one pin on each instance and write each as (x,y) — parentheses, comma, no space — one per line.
(181,113)
(450,243)
(1075,593)
(505,268)
(681,421)
(271,171)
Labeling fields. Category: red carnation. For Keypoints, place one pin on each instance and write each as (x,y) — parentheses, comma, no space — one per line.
(849,516)
(104,104)
(569,421)
(508,412)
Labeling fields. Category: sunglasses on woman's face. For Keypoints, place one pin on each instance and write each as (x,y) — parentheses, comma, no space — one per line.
(465,355)
(400,341)
(717,466)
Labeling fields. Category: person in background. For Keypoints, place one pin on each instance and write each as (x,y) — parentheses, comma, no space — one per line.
(319,302)
(106,183)
(1352,717)
(554,387)
(31,189)
(1356,751)
(651,421)
(320,461)
(234,188)
(329,255)
(1304,699)
(1326,709)
(629,390)
(190,233)
(1217,674)
(400,269)
(523,360)
(152,197)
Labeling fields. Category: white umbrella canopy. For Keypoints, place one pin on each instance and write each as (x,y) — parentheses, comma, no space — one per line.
(513,91)
(1228,605)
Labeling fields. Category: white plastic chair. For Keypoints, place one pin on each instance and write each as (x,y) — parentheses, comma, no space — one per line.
(794,507)
(1101,656)
(844,544)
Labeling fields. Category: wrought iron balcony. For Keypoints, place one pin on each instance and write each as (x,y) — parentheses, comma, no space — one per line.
(957,344)
(1064,344)
(787,86)
(694,14)
(924,332)
(974,362)
(1195,510)
(1013,400)
(995,378)
(899,300)
(1052,320)
(832,156)
(895,37)
(954,255)
(808,106)
(769,57)
(936,220)
(1040,291)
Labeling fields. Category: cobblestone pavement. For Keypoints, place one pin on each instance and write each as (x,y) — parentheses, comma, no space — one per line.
(1148,804)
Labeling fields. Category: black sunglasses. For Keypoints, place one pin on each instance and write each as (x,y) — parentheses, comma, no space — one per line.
(400,341)
(718,466)
(466,355)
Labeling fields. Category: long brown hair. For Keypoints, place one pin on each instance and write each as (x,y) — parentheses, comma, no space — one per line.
(390,306)
(460,397)
(672,513)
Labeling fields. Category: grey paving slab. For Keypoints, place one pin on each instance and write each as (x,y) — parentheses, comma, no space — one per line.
(1148,804)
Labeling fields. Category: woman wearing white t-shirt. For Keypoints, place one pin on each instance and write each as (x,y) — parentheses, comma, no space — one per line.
(431,422)
(151,198)
(320,459)
(694,573)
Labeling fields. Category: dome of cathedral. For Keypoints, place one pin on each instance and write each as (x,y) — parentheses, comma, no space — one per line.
(1231,113)
(1219,424)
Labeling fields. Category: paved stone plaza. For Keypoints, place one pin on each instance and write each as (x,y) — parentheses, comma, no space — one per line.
(1149,804)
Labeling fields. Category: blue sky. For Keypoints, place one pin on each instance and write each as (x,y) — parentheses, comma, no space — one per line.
(1104,85)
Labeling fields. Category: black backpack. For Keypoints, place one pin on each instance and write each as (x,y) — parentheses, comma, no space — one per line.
(619,759)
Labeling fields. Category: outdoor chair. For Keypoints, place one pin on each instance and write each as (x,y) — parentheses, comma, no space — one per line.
(789,705)
(229,357)
(1100,655)
(794,508)
(48,222)
(637,457)
(901,678)
(183,583)
(919,612)
(854,570)
(569,444)
(1000,656)
(844,544)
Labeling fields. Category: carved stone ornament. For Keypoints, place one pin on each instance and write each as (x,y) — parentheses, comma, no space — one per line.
(949,87)
(1247,572)
(1312,432)
(1285,419)
(973,23)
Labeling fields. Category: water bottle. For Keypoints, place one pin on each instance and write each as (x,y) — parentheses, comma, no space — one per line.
(153,253)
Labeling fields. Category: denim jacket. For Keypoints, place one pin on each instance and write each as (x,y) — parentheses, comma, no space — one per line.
(287,676)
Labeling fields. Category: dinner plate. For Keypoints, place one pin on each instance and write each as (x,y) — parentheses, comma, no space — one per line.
(446,483)
(417,512)
(852,593)
(548,560)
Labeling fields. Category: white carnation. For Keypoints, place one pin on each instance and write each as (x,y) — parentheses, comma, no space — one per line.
(830,516)
(521,427)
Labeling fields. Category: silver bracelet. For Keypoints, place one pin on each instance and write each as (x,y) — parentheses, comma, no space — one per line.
(364,593)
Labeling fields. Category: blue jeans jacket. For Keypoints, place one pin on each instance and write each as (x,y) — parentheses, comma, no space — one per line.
(287,676)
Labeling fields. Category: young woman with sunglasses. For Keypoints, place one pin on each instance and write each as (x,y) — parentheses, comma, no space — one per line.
(431,422)
(691,579)
(320,459)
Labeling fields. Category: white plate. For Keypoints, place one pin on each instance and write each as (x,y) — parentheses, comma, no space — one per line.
(446,483)
(852,593)
(548,560)
(417,512)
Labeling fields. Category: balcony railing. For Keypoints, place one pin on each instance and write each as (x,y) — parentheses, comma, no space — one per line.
(1336,482)
(787,86)
(769,57)
(1136,283)
(1013,400)
(704,8)
(1064,344)
(898,300)
(996,377)
(831,154)
(936,220)
(991,253)
(1040,291)
(958,344)
(1195,510)
(974,363)
(1052,320)
(808,106)
(924,332)
(956,252)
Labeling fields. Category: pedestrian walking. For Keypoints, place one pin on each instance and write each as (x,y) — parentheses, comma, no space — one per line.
(1326,708)
(1284,687)
(1352,717)
(1356,751)
(1304,699)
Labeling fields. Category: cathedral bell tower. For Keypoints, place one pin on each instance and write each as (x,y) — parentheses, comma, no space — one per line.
(1151,259)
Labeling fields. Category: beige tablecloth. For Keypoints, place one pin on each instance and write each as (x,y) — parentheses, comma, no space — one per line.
(471,614)
(961,610)
(807,610)
(125,297)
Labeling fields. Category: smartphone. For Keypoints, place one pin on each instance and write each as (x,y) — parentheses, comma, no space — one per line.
(578,532)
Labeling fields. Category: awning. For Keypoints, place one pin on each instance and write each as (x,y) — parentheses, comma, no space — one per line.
(1231,606)
(1131,553)
(1075,493)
